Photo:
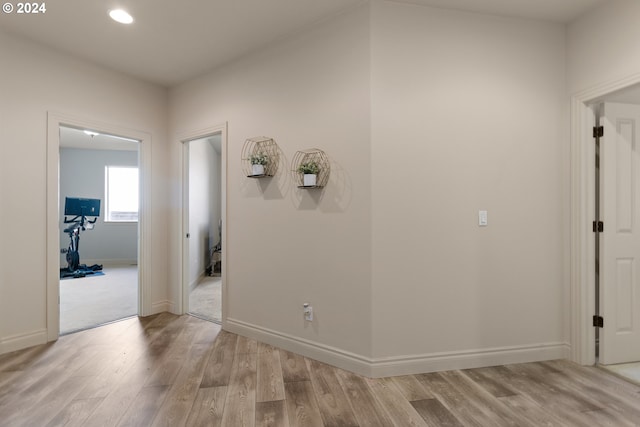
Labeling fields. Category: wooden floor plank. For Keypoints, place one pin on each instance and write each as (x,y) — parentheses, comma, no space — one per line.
(496,388)
(182,393)
(272,414)
(302,406)
(332,402)
(144,407)
(270,385)
(498,413)
(75,413)
(400,410)
(218,367)
(208,407)
(365,407)
(435,413)
(529,409)
(454,400)
(561,405)
(411,388)
(241,393)
(294,367)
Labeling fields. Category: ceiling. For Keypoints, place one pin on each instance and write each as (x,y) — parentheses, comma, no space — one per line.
(77,138)
(560,11)
(173,41)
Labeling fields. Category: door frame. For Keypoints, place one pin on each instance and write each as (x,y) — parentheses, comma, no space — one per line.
(183,269)
(582,292)
(54,121)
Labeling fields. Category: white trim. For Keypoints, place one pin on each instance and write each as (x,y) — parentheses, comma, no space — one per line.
(400,365)
(582,214)
(20,341)
(54,121)
(162,306)
(183,287)
(408,365)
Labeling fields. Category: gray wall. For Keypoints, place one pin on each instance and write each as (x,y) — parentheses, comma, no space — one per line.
(82,174)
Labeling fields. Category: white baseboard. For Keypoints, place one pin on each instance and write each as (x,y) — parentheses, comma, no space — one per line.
(400,365)
(20,341)
(407,365)
(162,306)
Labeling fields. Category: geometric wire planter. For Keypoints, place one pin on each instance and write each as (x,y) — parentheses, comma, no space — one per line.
(311,156)
(260,149)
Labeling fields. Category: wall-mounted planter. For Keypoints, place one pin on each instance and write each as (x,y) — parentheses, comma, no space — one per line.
(260,157)
(310,168)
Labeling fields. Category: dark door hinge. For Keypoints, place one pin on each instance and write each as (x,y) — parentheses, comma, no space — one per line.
(598,131)
(598,322)
(598,226)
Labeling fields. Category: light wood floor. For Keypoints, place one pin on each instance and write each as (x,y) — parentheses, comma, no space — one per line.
(167,370)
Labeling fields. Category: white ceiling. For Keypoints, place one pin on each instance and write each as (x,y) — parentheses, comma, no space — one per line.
(76,138)
(173,41)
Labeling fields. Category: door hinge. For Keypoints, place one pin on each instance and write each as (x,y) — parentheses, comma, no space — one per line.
(598,322)
(598,226)
(598,131)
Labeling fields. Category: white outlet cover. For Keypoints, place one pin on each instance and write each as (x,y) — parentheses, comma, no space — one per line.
(483,219)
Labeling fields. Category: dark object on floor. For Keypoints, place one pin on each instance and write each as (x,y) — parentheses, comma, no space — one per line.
(80,209)
(81,271)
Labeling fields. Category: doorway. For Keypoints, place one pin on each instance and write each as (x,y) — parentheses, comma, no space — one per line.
(592,249)
(204,224)
(54,123)
(99,278)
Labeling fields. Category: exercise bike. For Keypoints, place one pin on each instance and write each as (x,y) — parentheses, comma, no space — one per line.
(80,210)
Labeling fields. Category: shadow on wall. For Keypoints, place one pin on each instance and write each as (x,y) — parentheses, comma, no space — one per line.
(335,197)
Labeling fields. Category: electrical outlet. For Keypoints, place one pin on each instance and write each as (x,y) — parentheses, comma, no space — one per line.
(308,312)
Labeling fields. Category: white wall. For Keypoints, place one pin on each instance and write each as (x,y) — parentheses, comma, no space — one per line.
(287,246)
(204,205)
(82,174)
(602,46)
(33,81)
(468,113)
(400,274)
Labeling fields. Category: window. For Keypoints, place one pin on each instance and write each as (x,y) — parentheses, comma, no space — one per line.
(121,194)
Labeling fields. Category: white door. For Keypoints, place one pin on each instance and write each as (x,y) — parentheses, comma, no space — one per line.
(620,241)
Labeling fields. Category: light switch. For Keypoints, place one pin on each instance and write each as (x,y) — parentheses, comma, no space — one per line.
(483,220)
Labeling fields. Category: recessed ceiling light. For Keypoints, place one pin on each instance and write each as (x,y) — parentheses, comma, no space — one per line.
(91,133)
(121,16)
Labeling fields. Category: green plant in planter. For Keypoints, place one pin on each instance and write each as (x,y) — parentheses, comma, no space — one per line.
(309,168)
(259,159)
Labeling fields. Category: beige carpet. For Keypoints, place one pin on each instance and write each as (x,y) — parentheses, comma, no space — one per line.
(630,371)
(92,301)
(205,300)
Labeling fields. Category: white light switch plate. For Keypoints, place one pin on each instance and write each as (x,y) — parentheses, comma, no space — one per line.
(483,219)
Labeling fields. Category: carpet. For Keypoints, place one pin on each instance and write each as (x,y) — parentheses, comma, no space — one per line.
(630,371)
(94,300)
(205,300)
